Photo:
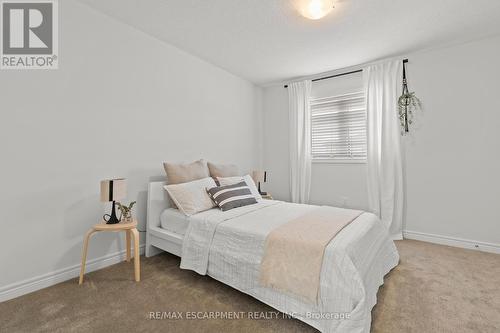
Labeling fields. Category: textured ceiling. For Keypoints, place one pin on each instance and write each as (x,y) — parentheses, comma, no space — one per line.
(268,41)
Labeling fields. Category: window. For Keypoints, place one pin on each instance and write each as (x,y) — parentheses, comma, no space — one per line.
(338,128)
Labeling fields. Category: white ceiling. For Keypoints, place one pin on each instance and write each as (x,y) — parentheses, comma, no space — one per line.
(268,41)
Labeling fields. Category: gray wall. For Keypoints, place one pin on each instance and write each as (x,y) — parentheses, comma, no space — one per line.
(120,104)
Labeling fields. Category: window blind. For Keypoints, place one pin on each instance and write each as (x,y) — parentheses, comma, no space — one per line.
(338,127)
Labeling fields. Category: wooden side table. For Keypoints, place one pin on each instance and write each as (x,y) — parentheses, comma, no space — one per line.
(130,229)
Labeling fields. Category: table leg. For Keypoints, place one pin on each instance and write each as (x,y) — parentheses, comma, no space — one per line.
(84,254)
(127,232)
(137,267)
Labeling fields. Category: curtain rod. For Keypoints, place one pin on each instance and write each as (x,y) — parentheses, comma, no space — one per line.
(341,74)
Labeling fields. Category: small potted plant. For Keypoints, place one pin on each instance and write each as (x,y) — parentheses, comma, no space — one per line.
(126,211)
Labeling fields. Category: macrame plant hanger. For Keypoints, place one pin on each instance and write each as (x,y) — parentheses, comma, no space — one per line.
(407,101)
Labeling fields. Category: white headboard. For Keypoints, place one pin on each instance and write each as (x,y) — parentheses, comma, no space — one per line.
(157,203)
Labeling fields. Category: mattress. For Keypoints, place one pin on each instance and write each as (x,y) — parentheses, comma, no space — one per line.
(174,220)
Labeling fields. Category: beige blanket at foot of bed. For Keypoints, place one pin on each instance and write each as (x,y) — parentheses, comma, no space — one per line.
(293,253)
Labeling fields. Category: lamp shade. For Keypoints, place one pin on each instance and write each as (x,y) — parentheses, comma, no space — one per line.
(259,176)
(113,189)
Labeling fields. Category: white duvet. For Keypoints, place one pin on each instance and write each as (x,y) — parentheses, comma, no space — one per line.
(229,247)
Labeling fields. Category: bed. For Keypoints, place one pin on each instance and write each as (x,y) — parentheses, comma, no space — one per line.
(228,246)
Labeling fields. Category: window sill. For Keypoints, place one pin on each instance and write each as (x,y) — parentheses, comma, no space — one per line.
(337,161)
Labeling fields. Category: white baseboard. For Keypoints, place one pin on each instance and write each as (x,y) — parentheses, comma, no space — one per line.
(43,281)
(46,280)
(452,241)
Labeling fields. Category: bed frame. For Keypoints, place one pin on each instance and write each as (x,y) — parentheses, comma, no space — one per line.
(157,238)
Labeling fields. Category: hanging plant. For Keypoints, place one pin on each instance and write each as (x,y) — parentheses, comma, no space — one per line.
(408,103)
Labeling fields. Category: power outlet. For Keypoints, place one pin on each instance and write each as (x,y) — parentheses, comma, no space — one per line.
(344,201)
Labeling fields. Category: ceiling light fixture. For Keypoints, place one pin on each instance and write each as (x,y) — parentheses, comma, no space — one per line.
(316,9)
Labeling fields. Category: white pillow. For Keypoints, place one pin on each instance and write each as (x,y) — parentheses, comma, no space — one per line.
(192,197)
(247,179)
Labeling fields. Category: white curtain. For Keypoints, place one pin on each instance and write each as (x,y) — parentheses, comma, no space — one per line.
(300,140)
(385,169)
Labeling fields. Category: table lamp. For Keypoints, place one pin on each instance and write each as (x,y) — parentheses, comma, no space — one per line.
(260,177)
(112,190)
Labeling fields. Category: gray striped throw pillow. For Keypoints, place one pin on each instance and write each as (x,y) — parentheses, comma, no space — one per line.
(232,196)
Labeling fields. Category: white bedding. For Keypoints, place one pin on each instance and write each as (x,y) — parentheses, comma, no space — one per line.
(229,246)
(174,220)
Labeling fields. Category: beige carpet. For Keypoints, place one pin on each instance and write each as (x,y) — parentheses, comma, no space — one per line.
(434,289)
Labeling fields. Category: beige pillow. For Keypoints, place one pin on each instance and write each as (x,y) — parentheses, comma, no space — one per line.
(192,197)
(186,172)
(223,170)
